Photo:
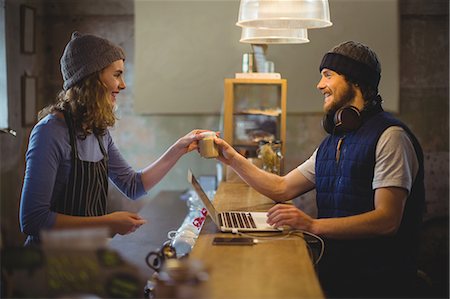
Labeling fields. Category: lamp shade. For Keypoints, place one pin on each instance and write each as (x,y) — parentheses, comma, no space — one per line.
(284,14)
(274,36)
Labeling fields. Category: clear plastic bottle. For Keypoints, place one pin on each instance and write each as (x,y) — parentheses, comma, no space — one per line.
(183,239)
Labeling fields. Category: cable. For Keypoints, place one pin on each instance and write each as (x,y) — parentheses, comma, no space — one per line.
(322,243)
(266,238)
(295,233)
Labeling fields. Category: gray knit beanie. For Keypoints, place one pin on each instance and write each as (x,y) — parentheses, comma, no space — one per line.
(354,60)
(86,54)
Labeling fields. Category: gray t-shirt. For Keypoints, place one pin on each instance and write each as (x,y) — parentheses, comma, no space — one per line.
(396,163)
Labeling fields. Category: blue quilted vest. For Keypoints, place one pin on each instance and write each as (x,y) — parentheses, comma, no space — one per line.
(344,173)
(345,169)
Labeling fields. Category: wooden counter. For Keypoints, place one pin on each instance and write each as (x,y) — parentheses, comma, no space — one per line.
(279,267)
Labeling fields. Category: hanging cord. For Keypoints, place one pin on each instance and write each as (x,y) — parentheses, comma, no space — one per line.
(298,233)
(316,237)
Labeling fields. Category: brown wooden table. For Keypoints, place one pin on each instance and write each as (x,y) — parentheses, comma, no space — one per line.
(279,267)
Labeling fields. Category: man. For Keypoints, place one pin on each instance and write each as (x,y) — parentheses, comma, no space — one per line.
(368,176)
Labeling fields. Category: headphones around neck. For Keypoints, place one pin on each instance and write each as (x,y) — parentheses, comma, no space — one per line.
(344,120)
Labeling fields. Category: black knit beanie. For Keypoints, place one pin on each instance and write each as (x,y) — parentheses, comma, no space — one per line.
(354,60)
(86,54)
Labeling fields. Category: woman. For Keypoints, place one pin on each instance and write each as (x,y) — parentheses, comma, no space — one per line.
(71,153)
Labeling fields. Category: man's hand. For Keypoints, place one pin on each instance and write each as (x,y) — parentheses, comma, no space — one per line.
(226,151)
(283,214)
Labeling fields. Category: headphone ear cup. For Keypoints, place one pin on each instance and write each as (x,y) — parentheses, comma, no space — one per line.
(347,119)
(328,123)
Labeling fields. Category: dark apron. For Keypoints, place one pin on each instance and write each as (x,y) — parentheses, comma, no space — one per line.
(87,188)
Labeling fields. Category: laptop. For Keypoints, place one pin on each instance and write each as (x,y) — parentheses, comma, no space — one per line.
(232,221)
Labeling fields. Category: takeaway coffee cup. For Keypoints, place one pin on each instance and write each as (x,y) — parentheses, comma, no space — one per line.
(208,148)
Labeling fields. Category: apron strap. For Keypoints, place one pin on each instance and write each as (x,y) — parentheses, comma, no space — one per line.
(70,126)
(102,147)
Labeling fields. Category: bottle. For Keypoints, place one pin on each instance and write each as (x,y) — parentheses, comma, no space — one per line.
(183,239)
(276,145)
(247,63)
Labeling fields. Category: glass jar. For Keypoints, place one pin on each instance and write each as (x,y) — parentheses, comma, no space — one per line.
(271,157)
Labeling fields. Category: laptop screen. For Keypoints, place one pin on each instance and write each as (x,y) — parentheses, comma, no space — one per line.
(201,193)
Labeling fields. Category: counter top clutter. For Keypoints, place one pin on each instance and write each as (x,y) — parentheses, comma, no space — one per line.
(69,262)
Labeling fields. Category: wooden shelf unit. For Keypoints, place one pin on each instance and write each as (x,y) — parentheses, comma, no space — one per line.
(254,109)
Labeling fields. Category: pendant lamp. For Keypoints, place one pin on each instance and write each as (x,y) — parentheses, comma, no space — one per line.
(274,36)
(284,14)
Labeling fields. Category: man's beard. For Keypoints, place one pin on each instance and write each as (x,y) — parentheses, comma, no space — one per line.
(346,98)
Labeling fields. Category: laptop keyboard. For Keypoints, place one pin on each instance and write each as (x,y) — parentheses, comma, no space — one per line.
(237,220)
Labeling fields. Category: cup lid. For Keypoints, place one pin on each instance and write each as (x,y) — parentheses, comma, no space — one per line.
(208,134)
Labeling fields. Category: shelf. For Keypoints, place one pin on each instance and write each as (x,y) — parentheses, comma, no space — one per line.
(249,144)
(266,112)
(254,110)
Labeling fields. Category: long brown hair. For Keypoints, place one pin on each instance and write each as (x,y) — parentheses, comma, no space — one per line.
(89,105)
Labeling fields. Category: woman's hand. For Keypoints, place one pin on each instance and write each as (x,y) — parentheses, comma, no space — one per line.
(189,142)
(154,172)
(124,222)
